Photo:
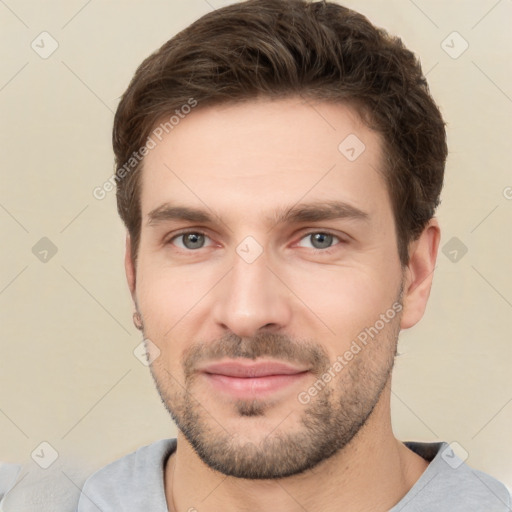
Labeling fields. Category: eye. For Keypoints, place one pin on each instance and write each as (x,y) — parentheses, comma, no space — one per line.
(193,240)
(189,240)
(320,240)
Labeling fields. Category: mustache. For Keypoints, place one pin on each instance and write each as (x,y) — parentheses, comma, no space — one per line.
(269,345)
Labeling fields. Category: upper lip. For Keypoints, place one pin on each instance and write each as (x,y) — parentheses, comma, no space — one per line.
(247,369)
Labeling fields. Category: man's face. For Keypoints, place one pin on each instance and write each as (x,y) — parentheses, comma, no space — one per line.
(259,273)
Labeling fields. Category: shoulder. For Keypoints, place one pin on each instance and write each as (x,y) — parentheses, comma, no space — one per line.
(29,487)
(136,463)
(9,474)
(136,477)
(452,485)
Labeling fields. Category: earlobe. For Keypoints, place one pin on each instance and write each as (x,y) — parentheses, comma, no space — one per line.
(419,274)
(129,266)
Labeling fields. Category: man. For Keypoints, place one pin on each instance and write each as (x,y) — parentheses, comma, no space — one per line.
(279,166)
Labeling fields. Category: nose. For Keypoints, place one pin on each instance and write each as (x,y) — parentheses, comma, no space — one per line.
(251,297)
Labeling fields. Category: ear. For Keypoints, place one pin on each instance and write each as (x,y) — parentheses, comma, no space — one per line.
(419,274)
(129,266)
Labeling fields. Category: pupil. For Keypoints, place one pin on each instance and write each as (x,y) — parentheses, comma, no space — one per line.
(193,240)
(321,240)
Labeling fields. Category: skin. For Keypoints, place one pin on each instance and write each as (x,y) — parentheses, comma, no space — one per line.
(242,163)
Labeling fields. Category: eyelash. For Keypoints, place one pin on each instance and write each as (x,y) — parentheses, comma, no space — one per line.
(328,250)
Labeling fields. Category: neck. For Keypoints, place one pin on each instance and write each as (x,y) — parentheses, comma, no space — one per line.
(371,474)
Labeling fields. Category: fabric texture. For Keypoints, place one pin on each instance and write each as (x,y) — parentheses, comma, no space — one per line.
(136,483)
(8,476)
(29,488)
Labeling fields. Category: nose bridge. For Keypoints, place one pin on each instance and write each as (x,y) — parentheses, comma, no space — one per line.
(250,296)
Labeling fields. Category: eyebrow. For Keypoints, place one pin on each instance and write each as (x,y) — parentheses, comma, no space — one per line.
(304,212)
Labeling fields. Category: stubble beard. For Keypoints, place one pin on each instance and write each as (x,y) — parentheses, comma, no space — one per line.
(326,425)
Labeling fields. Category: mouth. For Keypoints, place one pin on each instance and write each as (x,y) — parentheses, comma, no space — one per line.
(249,379)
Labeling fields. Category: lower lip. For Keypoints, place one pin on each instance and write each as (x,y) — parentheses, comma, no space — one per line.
(253,386)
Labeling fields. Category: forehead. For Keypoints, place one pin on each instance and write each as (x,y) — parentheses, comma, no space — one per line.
(251,158)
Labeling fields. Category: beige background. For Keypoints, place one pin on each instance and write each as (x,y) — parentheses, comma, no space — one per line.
(68,375)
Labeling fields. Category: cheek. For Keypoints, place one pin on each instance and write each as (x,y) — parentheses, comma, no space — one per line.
(164,294)
(172,303)
(346,300)
(160,306)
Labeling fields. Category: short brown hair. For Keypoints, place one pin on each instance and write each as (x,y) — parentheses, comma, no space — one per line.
(282,48)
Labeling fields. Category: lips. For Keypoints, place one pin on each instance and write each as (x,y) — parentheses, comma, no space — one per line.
(251,369)
(249,379)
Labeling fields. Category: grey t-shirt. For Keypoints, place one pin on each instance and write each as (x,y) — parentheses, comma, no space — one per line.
(8,475)
(136,483)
